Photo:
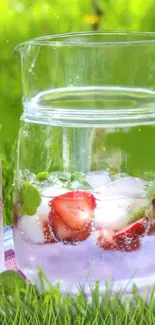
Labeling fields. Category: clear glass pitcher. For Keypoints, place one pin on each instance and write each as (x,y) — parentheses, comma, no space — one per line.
(84,205)
(1,217)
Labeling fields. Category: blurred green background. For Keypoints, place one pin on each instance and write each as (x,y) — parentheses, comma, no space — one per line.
(22,20)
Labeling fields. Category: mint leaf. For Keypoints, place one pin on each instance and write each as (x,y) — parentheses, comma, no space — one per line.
(42,176)
(10,281)
(30,198)
(72,181)
(62,176)
(77,181)
(77,176)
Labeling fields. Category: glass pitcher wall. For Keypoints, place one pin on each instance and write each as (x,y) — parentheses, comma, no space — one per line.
(84,207)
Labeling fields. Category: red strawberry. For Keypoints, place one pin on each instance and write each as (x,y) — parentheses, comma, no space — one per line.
(105,239)
(64,233)
(109,243)
(152,228)
(126,239)
(133,231)
(131,246)
(49,238)
(75,209)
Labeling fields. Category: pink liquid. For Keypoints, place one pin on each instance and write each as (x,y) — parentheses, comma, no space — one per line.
(83,262)
(73,264)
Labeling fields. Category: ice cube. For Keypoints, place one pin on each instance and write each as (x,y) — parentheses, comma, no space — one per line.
(121,202)
(126,186)
(53,191)
(98,178)
(32,226)
(112,214)
(32,229)
(139,203)
(44,209)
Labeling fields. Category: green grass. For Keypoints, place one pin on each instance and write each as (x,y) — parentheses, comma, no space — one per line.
(23,304)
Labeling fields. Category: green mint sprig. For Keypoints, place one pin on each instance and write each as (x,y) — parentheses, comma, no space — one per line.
(29,198)
(77,181)
(72,181)
(42,176)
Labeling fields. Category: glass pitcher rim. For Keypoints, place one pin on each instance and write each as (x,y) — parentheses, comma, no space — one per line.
(57,40)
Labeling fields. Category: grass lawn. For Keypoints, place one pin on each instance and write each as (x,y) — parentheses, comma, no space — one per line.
(23,304)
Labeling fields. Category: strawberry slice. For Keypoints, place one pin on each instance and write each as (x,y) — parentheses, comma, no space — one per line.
(75,209)
(133,231)
(151,230)
(106,240)
(152,226)
(48,236)
(127,239)
(131,246)
(110,244)
(64,233)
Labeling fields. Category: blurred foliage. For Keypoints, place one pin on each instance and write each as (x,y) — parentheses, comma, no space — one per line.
(27,19)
